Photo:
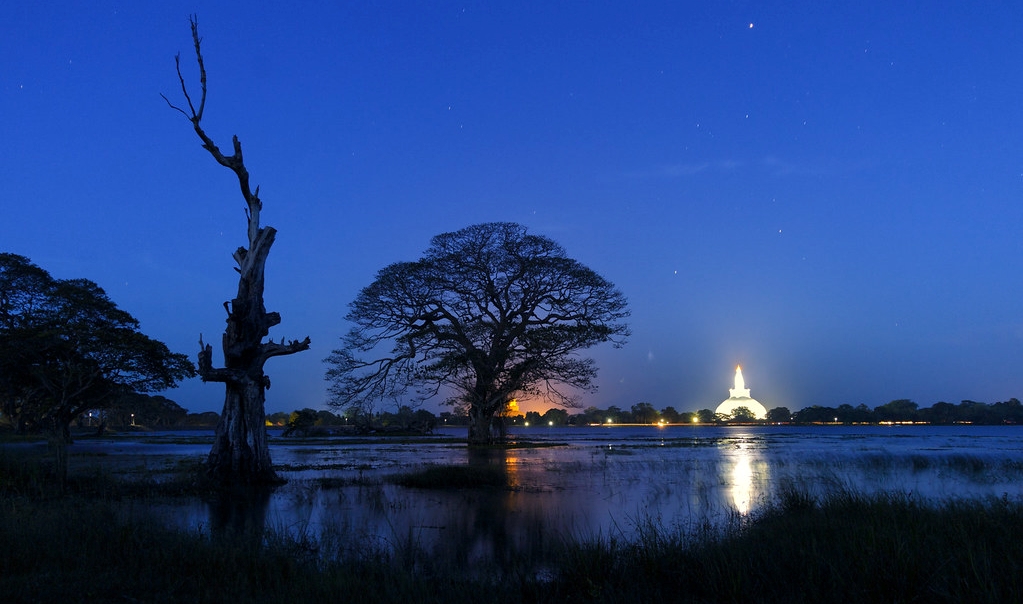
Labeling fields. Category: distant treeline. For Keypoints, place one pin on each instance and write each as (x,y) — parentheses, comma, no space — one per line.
(142,411)
(897,411)
(309,421)
(312,422)
(904,410)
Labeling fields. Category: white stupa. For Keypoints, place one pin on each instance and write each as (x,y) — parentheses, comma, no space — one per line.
(740,398)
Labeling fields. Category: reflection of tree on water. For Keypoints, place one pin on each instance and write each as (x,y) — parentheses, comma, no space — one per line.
(490,523)
(239,513)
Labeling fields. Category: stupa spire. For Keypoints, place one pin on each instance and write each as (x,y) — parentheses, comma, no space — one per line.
(740,390)
(741,398)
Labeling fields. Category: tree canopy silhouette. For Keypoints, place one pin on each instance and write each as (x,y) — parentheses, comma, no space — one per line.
(66,349)
(490,313)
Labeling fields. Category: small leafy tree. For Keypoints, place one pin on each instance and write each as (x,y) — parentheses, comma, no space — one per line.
(706,416)
(144,410)
(24,296)
(488,314)
(591,415)
(897,410)
(555,417)
(671,416)
(66,349)
(300,422)
(644,413)
(743,414)
(615,415)
(779,414)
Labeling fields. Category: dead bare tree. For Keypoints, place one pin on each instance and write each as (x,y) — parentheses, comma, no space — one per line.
(240,453)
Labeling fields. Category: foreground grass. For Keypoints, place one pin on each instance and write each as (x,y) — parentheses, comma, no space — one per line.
(846,549)
(89,546)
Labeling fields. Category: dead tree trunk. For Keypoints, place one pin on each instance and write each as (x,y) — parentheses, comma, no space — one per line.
(240,453)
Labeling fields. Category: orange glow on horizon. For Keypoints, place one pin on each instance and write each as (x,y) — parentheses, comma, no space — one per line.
(524,406)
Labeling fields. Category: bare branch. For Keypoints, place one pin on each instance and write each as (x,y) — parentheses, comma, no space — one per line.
(194,116)
(273,349)
(194,22)
(173,106)
(206,370)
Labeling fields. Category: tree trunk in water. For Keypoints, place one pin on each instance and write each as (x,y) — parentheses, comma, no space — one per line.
(240,453)
(241,450)
(480,427)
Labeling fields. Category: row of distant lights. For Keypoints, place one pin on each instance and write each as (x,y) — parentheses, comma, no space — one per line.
(696,420)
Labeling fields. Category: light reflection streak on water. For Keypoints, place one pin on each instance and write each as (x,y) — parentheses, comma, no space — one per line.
(742,481)
(511,468)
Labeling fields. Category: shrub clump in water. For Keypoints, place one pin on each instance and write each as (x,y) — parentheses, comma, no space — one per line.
(454,477)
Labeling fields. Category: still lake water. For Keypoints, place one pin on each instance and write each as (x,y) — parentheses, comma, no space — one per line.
(596,481)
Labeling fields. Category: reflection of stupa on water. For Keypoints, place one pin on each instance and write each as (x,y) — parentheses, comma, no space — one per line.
(740,398)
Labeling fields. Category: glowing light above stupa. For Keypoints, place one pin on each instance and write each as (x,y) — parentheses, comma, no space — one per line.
(739,397)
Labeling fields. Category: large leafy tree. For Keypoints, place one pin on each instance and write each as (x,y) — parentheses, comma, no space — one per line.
(66,348)
(490,313)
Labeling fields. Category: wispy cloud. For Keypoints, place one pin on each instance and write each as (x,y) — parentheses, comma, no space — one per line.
(777,166)
(772,164)
(681,170)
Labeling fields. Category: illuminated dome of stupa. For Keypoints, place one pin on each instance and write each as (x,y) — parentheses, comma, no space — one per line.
(740,398)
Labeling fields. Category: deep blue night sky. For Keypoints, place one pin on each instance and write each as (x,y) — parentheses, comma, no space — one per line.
(831,196)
